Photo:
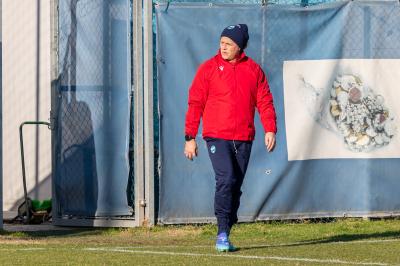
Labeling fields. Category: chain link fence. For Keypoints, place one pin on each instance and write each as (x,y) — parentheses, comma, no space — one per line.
(94,84)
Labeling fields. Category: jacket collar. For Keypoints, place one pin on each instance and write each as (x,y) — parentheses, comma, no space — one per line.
(240,58)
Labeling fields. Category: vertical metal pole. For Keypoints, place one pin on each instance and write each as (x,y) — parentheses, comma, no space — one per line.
(138,113)
(148,110)
(54,99)
(1,116)
(37,111)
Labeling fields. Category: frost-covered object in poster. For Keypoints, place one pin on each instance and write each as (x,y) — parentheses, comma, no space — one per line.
(341,108)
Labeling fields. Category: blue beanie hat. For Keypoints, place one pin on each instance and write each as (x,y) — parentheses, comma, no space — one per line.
(237,33)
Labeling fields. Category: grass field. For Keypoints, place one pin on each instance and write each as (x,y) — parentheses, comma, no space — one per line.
(342,242)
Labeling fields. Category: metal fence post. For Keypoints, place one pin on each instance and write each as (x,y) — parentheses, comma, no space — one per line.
(138,113)
(148,110)
(54,98)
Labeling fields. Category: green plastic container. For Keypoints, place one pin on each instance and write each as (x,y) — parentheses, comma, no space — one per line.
(41,205)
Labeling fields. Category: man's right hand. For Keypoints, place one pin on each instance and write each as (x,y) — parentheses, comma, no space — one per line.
(190,149)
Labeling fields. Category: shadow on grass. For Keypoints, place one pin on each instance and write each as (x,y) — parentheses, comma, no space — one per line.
(390,235)
(62,233)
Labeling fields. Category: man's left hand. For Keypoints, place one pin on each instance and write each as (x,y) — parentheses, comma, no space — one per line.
(270,140)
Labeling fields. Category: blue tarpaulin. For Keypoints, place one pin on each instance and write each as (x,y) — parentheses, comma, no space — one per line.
(331,70)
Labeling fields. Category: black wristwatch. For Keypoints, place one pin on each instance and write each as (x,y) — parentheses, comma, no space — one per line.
(188,138)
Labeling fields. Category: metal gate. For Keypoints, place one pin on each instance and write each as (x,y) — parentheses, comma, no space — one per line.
(98,104)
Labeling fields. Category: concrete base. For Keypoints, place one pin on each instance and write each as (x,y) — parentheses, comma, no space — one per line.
(98,222)
(33,227)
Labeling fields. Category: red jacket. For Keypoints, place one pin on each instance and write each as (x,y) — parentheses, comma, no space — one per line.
(226,95)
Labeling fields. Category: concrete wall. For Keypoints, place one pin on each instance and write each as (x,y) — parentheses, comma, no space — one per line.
(26,96)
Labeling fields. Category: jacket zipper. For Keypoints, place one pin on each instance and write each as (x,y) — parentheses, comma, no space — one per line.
(235,97)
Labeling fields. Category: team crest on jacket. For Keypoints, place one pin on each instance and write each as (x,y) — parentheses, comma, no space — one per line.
(221,68)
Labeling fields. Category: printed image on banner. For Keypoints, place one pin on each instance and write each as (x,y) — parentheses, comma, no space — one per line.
(342,108)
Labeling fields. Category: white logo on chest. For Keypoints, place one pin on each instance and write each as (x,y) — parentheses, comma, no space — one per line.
(221,68)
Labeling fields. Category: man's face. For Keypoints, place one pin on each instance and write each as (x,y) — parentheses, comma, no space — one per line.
(229,49)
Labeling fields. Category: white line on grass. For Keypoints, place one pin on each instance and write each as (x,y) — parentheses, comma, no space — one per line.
(273,245)
(234,256)
(322,241)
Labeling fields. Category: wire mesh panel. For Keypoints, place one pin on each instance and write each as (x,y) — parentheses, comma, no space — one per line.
(329,67)
(92,167)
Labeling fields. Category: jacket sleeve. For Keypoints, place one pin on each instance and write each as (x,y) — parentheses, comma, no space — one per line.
(265,104)
(198,94)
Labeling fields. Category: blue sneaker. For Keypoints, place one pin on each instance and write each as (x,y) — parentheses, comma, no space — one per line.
(223,244)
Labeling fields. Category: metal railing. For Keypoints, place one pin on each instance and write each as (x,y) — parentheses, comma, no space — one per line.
(21,141)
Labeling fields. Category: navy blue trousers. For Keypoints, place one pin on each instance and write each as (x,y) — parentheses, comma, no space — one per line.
(229,160)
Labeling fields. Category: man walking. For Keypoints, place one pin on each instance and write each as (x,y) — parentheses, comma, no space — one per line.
(225,92)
